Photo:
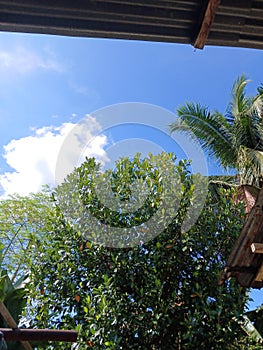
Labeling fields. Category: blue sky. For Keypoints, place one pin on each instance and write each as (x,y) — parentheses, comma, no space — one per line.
(49,83)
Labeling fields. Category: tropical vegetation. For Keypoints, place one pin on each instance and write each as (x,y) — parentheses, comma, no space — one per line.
(235,138)
(23,224)
(161,294)
(159,291)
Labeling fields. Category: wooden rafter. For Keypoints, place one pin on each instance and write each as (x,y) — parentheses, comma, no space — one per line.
(206,24)
(24,335)
(12,323)
(259,276)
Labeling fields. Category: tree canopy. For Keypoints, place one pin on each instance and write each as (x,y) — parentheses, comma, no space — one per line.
(161,293)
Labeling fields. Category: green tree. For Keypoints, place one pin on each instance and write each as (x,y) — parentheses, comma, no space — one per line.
(234,139)
(161,294)
(22,224)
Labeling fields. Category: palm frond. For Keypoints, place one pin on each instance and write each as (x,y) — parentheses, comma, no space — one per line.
(250,164)
(260,89)
(211,129)
(245,114)
(235,139)
(239,102)
(227,181)
(249,328)
(248,128)
(255,114)
(256,317)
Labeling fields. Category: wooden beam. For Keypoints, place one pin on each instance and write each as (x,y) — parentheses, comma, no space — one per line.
(206,24)
(7,316)
(242,253)
(12,323)
(21,334)
(24,335)
(257,248)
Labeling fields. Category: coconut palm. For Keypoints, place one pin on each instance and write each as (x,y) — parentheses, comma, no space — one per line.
(234,139)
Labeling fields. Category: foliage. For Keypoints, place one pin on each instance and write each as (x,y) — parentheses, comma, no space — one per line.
(161,294)
(234,139)
(256,318)
(13,295)
(23,220)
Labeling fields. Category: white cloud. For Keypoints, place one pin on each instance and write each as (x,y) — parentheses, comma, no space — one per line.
(34,157)
(21,60)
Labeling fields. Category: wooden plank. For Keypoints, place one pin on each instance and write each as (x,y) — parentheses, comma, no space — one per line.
(7,316)
(206,24)
(241,254)
(257,248)
(12,323)
(23,335)
(259,276)
(20,334)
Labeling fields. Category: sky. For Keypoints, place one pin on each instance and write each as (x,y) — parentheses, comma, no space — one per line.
(50,83)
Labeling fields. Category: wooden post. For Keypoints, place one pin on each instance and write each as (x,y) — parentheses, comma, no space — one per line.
(12,323)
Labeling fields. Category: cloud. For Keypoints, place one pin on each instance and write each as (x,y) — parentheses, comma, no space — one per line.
(21,60)
(34,158)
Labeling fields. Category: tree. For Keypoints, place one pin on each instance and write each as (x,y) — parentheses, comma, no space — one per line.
(22,223)
(161,293)
(234,139)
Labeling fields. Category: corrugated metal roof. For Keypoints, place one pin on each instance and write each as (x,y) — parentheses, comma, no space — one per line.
(237,22)
(172,21)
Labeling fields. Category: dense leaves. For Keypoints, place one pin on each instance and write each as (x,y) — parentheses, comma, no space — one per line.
(12,295)
(23,221)
(160,294)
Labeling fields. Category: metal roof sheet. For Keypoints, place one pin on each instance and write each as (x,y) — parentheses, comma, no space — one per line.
(236,22)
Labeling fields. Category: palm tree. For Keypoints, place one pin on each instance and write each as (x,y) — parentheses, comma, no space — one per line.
(234,139)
